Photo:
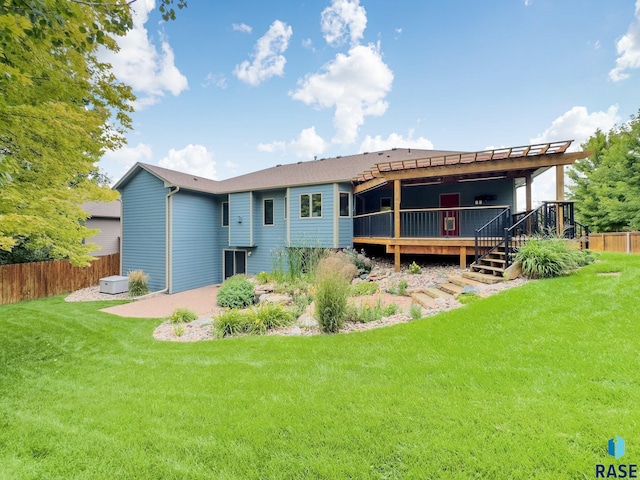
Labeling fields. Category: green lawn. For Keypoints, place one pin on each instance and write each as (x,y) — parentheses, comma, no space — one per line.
(529,383)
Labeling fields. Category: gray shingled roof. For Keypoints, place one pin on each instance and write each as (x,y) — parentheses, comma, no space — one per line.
(103,209)
(325,170)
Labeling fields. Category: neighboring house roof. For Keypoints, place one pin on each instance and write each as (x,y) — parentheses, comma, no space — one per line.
(324,170)
(103,209)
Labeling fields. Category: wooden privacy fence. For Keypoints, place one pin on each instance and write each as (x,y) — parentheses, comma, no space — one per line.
(28,281)
(623,242)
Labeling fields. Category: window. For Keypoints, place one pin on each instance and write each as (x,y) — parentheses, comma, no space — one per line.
(385,204)
(311,205)
(344,204)
(267,211)
(225,214)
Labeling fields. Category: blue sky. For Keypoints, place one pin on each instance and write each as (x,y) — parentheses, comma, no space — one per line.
(233,87)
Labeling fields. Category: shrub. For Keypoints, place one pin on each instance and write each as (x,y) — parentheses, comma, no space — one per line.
(256,321)
(415,269)
(268,316)
(550,257)
(364,288)
(415,311)
(466,298)
(178,330)
(183,315)
(262,278)
(331,292)
(236,292)
(138,283)
(370,313)
(301,302)
(231,322)
(303,259)
(399,289)
(359,260)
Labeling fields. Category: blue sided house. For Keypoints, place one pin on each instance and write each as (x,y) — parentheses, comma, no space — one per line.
(187,231)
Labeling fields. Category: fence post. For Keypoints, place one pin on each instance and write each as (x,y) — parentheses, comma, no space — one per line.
(628,242)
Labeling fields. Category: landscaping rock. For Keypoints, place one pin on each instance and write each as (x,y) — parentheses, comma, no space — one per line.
(307,320)
(470,289)
(263,289)
(356,281)
(295,331)
(276,298)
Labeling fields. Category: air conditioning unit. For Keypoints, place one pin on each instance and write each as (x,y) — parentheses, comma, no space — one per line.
(114,284)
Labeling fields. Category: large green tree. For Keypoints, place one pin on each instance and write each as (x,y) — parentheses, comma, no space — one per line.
(60,109)
(606,185)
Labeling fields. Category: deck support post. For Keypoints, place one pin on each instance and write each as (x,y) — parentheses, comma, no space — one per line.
(559,198)
(396,258)
(463,258)
(397,198)
(529,203)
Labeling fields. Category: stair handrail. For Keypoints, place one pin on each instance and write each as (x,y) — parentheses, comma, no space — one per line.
(483,239)
(532,221)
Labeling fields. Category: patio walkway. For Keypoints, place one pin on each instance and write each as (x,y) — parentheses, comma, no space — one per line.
(200,300)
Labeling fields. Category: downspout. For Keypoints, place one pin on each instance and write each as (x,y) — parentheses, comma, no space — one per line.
(168,246)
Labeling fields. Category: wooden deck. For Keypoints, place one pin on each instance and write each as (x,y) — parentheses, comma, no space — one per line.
(461,246)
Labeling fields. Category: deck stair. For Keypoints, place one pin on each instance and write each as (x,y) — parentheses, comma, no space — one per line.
(491,264)
(452,287)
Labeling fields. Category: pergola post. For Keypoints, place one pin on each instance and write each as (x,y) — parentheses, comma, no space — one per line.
(528,200)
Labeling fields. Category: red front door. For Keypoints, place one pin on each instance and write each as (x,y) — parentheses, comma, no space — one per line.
(449,224)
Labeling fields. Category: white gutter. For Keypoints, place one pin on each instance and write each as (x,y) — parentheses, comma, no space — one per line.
(169,220)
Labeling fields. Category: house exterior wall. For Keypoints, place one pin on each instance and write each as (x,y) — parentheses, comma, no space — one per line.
(221,240)
(240,219)
(312,231)
(144,228)
(428,196)
(108,237)
(268,239)
(345,224)
(193,241)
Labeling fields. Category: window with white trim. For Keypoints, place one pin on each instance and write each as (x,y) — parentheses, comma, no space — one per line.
(225,214)
(344,204)
(267,211)
(311,205)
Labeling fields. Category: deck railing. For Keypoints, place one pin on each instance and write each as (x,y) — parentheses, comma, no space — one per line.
(490,235)
(378,224)
(425,222)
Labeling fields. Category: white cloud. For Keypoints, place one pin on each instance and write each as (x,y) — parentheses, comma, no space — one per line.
(267,57)
(128,156)
(151,73)
(241,27)
(527,2)
(218,80)
(354,84)
(343,20)
(577,124)
(308,44)
(194,159)
(308,144)
(272,147)
(394,140)
(628,48)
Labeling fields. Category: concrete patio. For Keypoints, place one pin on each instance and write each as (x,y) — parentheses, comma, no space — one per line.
(200,300)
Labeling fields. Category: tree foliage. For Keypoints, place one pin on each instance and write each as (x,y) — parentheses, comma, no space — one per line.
(60,109)
(606,185)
